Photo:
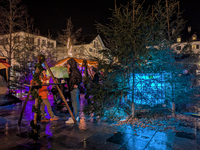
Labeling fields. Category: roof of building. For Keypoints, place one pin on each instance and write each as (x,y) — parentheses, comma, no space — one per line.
(26,33)
(186,36)
(87,39)
(80,61)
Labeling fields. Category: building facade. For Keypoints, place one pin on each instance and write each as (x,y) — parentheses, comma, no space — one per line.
(20,40)
(193,44)
(89,48)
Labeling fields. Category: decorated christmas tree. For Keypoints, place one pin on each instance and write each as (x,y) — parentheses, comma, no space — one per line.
(139,66)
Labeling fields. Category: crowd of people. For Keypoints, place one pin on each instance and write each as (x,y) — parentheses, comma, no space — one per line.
(70,92)
(72,86)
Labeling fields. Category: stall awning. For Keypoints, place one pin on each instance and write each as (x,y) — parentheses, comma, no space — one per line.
(79,61)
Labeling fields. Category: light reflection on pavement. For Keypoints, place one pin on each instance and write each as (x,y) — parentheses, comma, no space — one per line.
(86,134)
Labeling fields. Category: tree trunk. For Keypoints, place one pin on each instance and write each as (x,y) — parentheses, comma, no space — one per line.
(133,101)
(133,109)
(173,109)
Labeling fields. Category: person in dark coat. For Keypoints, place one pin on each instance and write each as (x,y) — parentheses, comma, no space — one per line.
(187,78)
(95,78)
(188,83)
(75,79)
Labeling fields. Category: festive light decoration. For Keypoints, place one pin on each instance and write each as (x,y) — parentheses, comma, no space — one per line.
(69,46)
(34,133)
(144,84)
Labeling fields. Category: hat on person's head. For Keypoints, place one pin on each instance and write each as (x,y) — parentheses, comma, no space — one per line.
(72,63)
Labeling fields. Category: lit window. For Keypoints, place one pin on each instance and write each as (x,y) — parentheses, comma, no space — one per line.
(179,39)
(194,38)
(194,47)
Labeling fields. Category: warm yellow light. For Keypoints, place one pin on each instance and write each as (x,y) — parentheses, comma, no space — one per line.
(178,39)
(194,38)
(194,46)
(68,43)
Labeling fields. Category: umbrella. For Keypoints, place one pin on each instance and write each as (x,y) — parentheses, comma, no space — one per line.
(59,72)
(3,64)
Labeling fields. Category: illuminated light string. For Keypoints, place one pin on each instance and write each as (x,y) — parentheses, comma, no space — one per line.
(69,47)
(78,63)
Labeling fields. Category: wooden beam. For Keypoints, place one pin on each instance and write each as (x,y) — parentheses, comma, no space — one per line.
(22,112)
(42,84)
(60,92)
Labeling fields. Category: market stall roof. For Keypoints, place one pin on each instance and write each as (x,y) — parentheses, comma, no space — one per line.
(79,61)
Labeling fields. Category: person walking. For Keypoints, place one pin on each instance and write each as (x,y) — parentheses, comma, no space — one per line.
(75,79)
(43,92)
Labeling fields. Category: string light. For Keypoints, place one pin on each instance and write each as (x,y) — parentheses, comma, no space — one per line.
(69,46)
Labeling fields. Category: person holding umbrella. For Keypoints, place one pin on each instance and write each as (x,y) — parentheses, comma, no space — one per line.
(75,79)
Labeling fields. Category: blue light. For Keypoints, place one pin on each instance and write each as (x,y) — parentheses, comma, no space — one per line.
(149,88)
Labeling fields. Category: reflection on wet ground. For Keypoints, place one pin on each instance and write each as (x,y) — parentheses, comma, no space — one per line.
(87,134)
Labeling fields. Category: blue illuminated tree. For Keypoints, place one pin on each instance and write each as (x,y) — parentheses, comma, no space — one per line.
(138,42)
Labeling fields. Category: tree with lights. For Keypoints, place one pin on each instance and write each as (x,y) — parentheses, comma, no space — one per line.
(139,42)
(69,37)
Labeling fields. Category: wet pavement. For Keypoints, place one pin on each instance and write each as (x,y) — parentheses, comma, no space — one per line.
(88,134)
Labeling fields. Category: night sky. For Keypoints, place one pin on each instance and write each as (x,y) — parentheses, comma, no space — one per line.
(53,14)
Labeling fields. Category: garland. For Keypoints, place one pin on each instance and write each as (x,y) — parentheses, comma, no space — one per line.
(34,133)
